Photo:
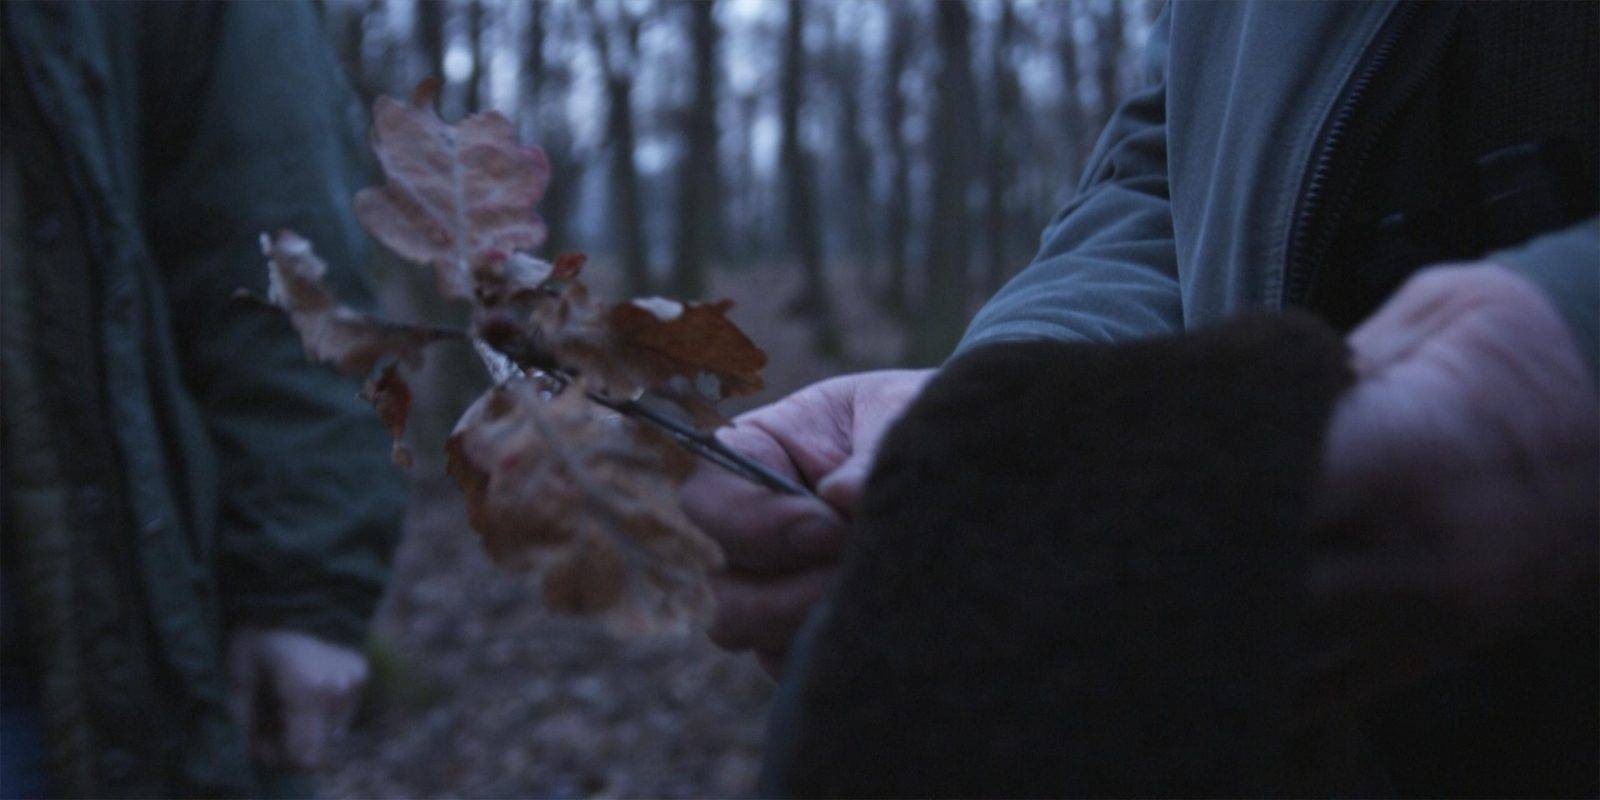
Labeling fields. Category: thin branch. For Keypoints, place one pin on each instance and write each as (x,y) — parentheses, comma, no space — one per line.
(506,360)
(704,445)
(696,441)
(501,368)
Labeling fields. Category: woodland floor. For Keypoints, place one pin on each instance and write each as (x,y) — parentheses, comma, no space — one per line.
(478,692)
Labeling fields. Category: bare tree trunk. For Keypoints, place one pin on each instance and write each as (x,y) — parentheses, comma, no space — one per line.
(354,59)
(628,225)
(533,72)
(479,73)
(999,158)
(897,221)
(745,230)
(430,35)
(844,75)
(455,380)
(1072,122)
(556,206)
(1110,52)
(699,178)
(949,252)
(804,232)
(626,210)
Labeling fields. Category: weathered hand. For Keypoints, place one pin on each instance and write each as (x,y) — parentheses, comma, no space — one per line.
(292,693)
(783,551)
(1460,482)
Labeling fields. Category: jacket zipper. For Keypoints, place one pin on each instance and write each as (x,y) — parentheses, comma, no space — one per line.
(1349,135)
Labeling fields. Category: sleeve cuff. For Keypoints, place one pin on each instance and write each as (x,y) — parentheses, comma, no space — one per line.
(1566,265)
(344,620)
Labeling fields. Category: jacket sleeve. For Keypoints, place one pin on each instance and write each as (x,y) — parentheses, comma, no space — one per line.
(247,121)
(1566,265)
(1107,266)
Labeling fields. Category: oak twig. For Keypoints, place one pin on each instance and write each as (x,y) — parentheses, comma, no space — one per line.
(509,358)
(525,353)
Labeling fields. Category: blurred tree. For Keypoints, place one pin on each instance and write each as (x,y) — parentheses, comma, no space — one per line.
(699,173)
(617,43)
(543,90)
(430,21)
(475,79)
(744,233)
(1110,50)
(954,140)
(940,153)
(1004,125)
(533,70)
(844,70)
(897,222)
(352,50)
(1075,144)
(804,232)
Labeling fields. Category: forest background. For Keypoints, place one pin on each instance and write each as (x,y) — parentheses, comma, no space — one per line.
(857,175)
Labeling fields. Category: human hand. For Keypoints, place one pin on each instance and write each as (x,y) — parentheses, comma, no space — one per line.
(1459,489)
(292,693)
(782,550)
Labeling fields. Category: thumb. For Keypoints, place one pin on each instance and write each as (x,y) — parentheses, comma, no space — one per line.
(842,487)
(306,722)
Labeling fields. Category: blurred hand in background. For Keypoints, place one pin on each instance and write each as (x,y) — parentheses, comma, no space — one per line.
(1460,483)
(292,693)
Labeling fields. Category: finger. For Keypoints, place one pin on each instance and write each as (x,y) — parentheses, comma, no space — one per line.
(763,614)
(758,529)
(843,487)
(1425,305)
(794,536)
(307,721)
(345,707)
(811,429)
(873,414)
(761,532)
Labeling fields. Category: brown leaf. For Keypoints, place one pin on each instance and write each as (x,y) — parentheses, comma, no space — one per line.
(500,279)
(559,486)
(702,410)
(348,339)
(454,192)
(568,265)
(589,580)
(390,395)
(650,344)
(554,483)
(668,338)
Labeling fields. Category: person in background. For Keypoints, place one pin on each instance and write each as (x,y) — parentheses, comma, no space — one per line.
(1423,176)
(197,521)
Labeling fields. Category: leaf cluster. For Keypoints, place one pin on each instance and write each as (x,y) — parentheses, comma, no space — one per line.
(566,470)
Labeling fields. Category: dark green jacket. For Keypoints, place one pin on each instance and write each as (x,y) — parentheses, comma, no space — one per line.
(173,465)
(1208,179)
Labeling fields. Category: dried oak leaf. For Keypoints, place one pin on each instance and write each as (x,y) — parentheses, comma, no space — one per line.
(454,193)
(650,343)
(568,265)
(506,279)
(667,338)
(390,395)
(350,340)
(587,499)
